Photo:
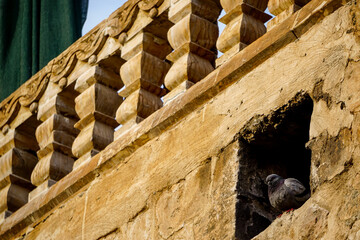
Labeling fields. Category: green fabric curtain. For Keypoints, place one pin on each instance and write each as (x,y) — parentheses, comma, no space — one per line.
(32,33)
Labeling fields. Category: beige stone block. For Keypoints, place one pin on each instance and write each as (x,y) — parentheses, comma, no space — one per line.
(144,84)
(97,74)
(12,197)
(140,103)
(96,116)
(198,50)
(209,10)
(54,166)
(97,98)
(57,105)
(142,66)
(194,29)
(60,142)
(17,162)
(243,29)
(95,136)
(145,42)
(107,55)
(17,139)
(188,67)
(57,129)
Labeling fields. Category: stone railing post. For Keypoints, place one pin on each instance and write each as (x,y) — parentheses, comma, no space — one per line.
(143,73)
(193,38)
(17,161)
(96,107)
(244,21)
(282,9)
(55,136)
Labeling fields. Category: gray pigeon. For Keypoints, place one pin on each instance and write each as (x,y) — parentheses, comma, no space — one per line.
(286,194)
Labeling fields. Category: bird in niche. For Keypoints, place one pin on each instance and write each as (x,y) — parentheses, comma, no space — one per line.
(286,194)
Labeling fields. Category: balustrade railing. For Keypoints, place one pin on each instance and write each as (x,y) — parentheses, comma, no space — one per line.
(143,74)
(55,136)
(244,21)
(147,52)
(193,38)
(18,148)
(96,107)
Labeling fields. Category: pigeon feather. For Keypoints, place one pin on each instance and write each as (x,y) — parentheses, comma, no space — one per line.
(285,194)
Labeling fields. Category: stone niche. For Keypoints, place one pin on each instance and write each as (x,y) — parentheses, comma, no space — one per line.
(275,143)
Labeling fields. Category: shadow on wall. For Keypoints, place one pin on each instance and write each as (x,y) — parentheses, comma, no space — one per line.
(271,144)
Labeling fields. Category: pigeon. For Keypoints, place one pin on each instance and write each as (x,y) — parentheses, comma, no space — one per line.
(286,194)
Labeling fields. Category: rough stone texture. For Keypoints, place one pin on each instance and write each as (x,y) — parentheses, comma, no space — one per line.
(197,201)
(332,211)
(184,183)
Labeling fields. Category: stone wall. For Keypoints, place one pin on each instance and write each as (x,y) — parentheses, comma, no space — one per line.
(193,167)
(203,176)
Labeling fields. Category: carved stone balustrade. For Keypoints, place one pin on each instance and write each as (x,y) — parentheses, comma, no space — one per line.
(193,38)
(55,136)
(282,9)
(244,21)
(18,148)
(143,73)
(96,107)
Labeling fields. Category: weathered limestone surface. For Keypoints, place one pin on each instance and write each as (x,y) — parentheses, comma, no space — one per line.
(333,211)
(182,184)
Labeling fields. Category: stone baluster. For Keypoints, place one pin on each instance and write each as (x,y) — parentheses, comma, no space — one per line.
(96,107)
(17,160)
(55,136)
(244,21)
(143,75)
(282,9)
(193,38)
